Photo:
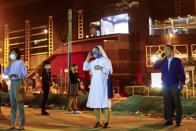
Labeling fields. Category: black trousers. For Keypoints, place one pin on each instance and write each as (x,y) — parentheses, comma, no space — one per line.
(45,98)
(172,103)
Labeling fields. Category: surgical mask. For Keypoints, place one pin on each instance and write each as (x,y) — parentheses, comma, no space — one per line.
(47,66)
(96,55)
(12,56)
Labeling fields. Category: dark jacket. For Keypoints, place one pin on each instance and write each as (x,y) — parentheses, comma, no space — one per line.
(174,75)
(46,78)
(74,77)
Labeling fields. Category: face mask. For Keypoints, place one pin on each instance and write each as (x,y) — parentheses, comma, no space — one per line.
(47,66)
(12,56)
(96,55)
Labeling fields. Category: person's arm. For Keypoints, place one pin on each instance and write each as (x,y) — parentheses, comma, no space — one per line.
(107,69)
(86,65)
(158,63)
(182,76)
(78,77)
(71,76)
(44,75)
(50,79)
(23,70)
(6,70)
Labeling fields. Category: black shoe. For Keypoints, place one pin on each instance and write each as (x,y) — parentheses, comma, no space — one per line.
(168,123)
(97,125)
(75,109)
(69,109)
(21,128)
(178,124)
(11,128)
(106,125)
(45,113)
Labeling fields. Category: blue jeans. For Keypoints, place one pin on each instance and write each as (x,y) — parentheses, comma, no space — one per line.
(14,104)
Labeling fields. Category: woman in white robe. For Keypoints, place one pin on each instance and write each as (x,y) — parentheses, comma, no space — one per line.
(98,99)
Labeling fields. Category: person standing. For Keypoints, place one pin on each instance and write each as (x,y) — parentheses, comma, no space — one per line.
(173,79)
(17,72)
(74,81)
(98,98)
(46,83)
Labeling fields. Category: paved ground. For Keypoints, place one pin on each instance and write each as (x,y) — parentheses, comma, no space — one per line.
(59,120)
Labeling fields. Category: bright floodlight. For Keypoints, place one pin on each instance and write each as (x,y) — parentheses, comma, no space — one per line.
(154,58)
(171,35)
(45,31)
(66,70)
(5,77)
(156,81)
(115,24)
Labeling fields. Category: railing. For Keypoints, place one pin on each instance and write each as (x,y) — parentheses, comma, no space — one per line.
(180,51)
(187,92)
(193,51)
(145,88)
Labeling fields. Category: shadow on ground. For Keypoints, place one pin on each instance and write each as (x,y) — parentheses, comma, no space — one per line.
(2,118)
(150,127)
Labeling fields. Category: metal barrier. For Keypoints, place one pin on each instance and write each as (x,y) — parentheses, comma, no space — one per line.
(137,86)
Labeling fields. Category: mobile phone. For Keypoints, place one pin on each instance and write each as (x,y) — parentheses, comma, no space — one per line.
(163,55)
(91,53)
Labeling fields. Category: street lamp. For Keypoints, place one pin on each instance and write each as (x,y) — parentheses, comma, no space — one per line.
(45,31)
(66,82)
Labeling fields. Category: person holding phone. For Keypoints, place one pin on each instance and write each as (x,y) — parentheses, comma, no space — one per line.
(173,79)
(98,98)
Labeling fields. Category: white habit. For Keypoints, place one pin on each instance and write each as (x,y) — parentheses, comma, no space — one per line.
(98,94)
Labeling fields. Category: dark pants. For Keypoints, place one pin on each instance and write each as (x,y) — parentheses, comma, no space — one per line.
(45,98)
(172,103)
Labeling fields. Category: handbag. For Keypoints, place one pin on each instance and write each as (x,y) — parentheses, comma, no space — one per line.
(24,93)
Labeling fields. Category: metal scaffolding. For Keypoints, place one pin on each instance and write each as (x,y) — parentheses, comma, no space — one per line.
(32,42)
(80,25)
(50,36)
(27,44)
(6,47)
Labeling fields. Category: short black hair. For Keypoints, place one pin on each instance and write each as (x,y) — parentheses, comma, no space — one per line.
(17,52)
(170,46)
(74,65)
(46,62)
(98,49)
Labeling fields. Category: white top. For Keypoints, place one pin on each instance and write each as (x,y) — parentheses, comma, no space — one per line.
(169,61)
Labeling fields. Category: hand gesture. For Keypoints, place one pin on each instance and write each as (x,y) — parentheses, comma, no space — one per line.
(89,56)
(97,67)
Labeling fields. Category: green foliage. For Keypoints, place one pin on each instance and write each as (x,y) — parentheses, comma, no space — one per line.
(139,103)
(131,104)
(60,101)
(151,104)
